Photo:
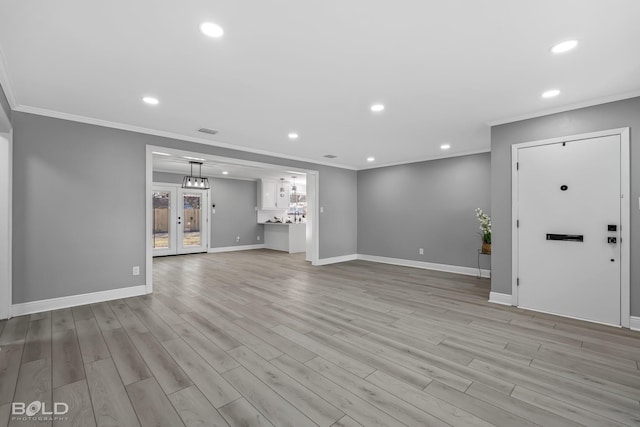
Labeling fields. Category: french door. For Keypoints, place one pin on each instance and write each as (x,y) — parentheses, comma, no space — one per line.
(180,220)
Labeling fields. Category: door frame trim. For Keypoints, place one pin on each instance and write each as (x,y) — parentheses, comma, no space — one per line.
(625,213)
(6,276)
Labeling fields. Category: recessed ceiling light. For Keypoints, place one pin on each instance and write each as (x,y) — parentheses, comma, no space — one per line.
(297,173)
(151,100)
(551,93)
(293,135)
(371,159)
(445,146)
(564,46)
(225,173)
(160,154)
(376,108)
(193,158)
(212,30)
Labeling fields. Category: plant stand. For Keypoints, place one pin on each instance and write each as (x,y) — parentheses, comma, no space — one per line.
(481,252)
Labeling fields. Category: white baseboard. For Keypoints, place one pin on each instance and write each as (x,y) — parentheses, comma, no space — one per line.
(497,298)
(337,259)
(634,323)
(75,300)
(235,248)
(469,271)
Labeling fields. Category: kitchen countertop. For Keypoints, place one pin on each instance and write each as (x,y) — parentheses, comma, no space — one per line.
(283,223)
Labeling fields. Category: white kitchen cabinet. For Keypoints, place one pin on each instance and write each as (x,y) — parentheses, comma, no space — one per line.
(266,194)
(273,195)
(290,238)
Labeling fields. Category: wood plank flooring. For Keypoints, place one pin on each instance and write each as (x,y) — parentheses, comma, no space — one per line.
(261,338)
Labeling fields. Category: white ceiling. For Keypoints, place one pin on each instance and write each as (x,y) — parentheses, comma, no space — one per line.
(443,69)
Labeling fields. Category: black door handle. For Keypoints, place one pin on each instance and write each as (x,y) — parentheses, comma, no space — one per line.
(566,237)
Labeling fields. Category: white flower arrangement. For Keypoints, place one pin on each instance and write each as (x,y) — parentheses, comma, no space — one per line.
(485,225)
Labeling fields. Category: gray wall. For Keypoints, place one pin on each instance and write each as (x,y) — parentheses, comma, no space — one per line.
(4,104)
(426,205)
(612,115)
(235,215)
(79,205)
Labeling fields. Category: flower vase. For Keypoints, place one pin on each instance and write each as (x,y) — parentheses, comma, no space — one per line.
(486,248)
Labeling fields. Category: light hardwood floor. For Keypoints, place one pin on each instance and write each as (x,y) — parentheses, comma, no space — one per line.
(260,338)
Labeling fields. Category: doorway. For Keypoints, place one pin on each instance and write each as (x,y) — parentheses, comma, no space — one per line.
(179,220)
(571,232)
(178,157)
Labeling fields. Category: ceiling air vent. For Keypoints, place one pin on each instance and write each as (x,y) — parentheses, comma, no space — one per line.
(330,156)
(209,131)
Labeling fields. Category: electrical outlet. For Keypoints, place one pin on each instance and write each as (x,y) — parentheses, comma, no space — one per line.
(258,238)
(421,251)
(237,238)
(136,270)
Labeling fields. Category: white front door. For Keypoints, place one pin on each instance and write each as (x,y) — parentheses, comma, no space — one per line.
(179,220)
(569,213)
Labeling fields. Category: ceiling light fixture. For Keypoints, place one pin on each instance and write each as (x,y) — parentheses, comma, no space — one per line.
(293,135)
(212,30)
(371,159)
(193,158)
(196,182)
(160,154)
(564,46)
(225,172)
(150,100)
(445,146)
(376,108)
(551,93)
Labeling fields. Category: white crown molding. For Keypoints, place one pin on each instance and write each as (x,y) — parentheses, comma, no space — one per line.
(498,298)
(562,109)
(76,300)
(427,158)
(469,271)
(170,135)
(235,248)
(5,82)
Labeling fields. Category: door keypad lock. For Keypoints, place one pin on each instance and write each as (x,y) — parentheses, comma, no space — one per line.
(612,240)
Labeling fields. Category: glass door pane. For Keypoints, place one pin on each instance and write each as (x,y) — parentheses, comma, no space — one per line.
(163,221)
(192,220)
(192,234)
(161,218)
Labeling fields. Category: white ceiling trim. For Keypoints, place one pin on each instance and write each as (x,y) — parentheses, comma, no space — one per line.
(171,135)
(5,82)
(428,158)
(562,109)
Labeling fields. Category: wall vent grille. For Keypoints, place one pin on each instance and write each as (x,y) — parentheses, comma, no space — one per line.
(209,131)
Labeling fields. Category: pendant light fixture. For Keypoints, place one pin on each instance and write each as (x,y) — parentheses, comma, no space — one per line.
(196,182)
